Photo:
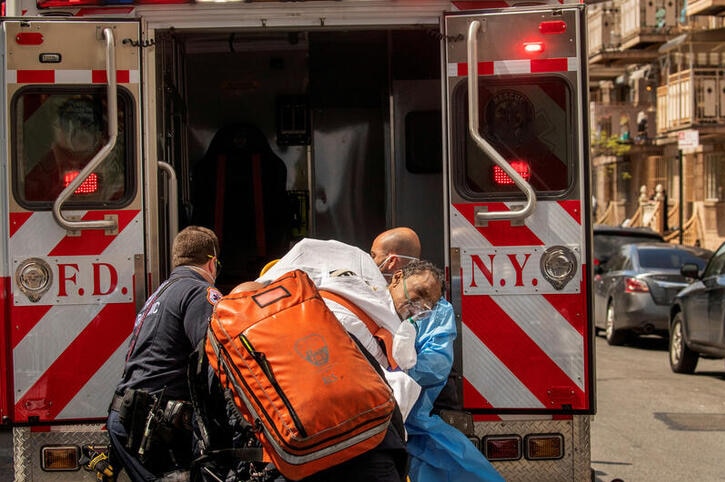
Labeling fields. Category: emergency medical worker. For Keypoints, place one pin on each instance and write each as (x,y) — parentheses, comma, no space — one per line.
(391,250)
(149,422)
(394,248)
(439,452)
(412,290)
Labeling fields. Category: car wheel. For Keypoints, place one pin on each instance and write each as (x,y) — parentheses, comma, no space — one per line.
(682,359)
(611,333)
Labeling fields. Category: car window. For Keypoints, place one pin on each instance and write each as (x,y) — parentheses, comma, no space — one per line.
(616,262)
(605,244)
(668,259)
(717,264)
(627,263)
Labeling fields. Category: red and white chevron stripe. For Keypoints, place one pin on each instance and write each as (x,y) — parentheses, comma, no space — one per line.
(68,346)
(523,346)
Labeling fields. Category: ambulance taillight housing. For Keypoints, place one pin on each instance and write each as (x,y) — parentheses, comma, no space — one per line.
(544,446)
(502,447)
(56,458)
(521,167)
(88,186)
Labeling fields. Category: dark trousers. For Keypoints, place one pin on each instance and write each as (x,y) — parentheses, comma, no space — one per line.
(388,462)
(120,457)
(168,455)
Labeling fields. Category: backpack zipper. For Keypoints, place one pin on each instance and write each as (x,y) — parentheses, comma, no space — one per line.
(261,359)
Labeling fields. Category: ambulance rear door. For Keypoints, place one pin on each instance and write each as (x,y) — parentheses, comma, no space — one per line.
(74,272)
(519,222)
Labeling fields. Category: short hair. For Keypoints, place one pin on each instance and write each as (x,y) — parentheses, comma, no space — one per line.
(420,266)
(194,245)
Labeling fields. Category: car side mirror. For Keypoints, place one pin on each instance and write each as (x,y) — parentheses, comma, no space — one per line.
(690,270)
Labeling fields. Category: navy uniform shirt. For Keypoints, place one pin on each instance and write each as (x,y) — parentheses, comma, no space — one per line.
(168,328)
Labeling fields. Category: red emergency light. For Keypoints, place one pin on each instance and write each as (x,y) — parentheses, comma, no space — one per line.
(533,47)
(103,3)
(89,186)
(521,167)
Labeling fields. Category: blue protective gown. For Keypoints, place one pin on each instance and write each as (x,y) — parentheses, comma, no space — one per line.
(439,452)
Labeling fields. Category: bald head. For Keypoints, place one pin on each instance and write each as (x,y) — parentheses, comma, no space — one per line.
(394,248)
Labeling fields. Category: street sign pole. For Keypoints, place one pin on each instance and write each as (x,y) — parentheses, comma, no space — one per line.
(682,197)
(687,139)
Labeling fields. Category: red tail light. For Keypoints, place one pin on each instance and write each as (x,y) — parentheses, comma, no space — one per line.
(89,186)
(634,285)
(521,167)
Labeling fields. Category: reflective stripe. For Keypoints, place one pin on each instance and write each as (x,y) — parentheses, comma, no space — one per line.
(520,66)
(50,76)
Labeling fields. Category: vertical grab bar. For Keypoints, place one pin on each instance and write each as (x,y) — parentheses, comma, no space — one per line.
(112,104)
(473,124)
(173,211)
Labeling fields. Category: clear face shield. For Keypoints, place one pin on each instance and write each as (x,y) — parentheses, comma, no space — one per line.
(414,310)
(389,274)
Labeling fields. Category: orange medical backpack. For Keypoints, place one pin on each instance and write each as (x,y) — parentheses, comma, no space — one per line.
(297,376)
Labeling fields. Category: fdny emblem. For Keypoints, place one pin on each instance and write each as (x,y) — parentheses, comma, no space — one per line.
(509,118)
(213,295)
(313,349)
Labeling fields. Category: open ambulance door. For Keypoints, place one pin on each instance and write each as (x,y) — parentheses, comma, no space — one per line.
(74,274)
(519,216)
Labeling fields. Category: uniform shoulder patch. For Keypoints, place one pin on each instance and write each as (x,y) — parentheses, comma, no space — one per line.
(213,295)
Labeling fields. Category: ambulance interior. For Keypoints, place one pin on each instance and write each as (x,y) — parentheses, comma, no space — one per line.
(279,135)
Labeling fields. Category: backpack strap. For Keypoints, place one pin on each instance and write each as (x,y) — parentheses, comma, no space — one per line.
(381,334)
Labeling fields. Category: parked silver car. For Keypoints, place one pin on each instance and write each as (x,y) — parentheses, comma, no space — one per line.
(633,291)
(697,317)
(607,239)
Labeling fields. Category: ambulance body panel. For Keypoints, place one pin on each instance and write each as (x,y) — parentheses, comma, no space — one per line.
(364,108)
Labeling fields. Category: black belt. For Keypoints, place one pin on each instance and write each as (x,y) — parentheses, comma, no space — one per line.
(116,402)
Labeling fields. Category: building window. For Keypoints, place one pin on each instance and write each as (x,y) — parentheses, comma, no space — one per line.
(714,172)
